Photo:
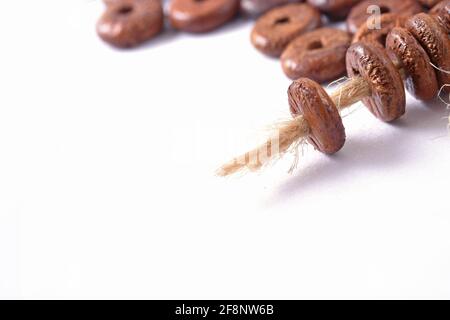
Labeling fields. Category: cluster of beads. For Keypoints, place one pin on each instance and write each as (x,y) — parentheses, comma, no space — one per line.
(377,76)
(382,52)
(294,32)
(408,55)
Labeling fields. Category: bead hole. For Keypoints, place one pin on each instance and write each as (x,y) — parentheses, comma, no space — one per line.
(315,45)
(282,20)
(125,10)
(384,10)
(382,39)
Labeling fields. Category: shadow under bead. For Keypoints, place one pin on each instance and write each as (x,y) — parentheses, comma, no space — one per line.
(318,55)
(274,30)
(199,16)
(128,23)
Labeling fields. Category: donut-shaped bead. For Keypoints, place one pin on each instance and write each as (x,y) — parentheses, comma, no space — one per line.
(420,78)
(318,55)
(128,23)
(336,9)
(359,14)
(388,21)
(435,41)
(256,8)
(387,101)
(274,30)
(308,98)
(201,15)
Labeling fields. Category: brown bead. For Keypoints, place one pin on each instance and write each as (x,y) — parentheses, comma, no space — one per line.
(256,8)
(435,41)
(442,13)
(319,55)
(201,15)
(336,9)
(388,21)
(387,101)
(429,3)
(128,23)
(308,98)
(274,30)
(358,15)
(420,78)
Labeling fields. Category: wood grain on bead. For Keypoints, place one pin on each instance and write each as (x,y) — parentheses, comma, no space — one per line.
(255,8)
(318,55)
(388,21)
(387,101)
(435,41)
(442,13)
(420,77)
(359,15)
(336,9)
(308,98)
(201,15)
(128,23)
(274,30)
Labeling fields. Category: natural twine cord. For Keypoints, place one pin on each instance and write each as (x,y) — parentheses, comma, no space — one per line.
(291,133)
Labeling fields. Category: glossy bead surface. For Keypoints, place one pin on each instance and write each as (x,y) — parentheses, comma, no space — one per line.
(309,99)
(274,30)
(201,15)
(128,23)
(420,77)
(318,55)
(387,101)
(432,37)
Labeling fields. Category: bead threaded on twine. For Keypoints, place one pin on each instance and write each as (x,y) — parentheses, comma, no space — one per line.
(291,133)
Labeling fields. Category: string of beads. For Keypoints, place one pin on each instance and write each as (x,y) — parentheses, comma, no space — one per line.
(377,77)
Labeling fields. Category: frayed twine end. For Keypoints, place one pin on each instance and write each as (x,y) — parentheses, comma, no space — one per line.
(287,136)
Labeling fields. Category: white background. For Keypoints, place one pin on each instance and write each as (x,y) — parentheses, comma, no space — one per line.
(107,186)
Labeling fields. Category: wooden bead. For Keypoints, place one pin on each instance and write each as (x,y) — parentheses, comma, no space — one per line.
(201,15)
(435,41)
(128,23)
(388,21)
(274,30)
(336,9)
(110,2)
(256,8)
(429,3)
(442,13)
(420,77)
(359,15)
(318,55)
(308,98)
(387,101)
